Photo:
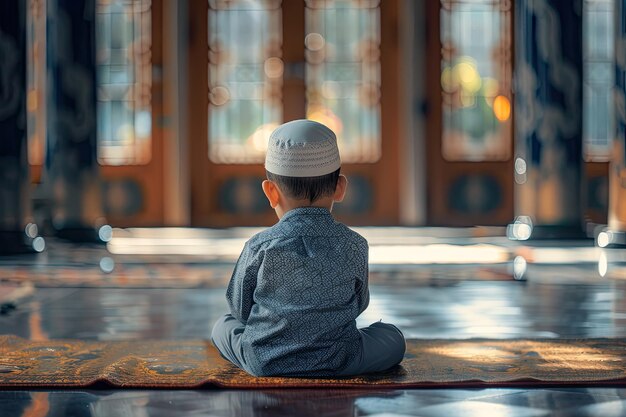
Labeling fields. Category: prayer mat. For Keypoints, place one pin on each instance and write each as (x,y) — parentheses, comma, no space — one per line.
(427,363)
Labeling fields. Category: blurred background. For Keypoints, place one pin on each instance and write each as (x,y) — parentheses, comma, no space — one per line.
(448,113)
(484,142)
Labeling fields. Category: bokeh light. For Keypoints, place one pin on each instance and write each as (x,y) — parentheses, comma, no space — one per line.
(502,108)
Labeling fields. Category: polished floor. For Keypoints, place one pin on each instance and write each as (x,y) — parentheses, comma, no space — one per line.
(432,284)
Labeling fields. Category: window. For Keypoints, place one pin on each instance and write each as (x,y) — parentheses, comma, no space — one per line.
(245,78)
(476,79)
(124,81)
(343,73)
(342,76)
(36,78)
(598,51)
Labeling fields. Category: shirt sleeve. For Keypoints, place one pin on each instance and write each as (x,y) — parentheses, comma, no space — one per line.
(243,283)
(362,287)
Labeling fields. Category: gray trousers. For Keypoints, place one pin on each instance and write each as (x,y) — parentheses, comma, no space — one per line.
(382,346)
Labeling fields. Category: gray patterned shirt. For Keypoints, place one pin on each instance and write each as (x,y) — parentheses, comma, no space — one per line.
(298,288)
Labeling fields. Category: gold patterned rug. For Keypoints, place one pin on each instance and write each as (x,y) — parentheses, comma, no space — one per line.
(428,363)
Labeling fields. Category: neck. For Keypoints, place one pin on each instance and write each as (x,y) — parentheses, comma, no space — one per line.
(289,204)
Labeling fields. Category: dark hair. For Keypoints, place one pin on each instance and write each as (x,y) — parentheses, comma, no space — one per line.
(309,188)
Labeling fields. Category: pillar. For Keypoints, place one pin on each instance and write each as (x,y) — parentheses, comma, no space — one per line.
(615,234)
(548,122)
(17,231)
(71,172)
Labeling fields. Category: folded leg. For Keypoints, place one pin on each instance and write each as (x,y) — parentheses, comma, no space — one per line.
(226,336)
(382,346)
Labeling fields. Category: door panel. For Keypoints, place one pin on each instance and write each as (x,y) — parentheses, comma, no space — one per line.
(326,76)
(469,146)
(130,145)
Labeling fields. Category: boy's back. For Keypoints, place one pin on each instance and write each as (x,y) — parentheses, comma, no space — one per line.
(299,287)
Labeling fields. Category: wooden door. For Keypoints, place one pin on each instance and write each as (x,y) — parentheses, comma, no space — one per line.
(130,140)
(470,56)
(470,126)
(254,65)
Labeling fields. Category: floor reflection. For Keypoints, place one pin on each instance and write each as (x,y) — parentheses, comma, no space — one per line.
(455,310)
(304,403)
(569,291)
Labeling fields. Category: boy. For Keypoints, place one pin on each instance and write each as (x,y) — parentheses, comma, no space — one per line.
(298,286)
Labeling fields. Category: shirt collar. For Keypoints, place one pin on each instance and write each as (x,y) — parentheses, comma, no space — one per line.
(306,211)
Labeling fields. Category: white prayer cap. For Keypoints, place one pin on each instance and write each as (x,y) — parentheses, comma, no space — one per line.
(302,148)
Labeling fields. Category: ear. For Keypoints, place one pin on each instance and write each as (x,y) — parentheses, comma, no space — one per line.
(271,192)
(340,190)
